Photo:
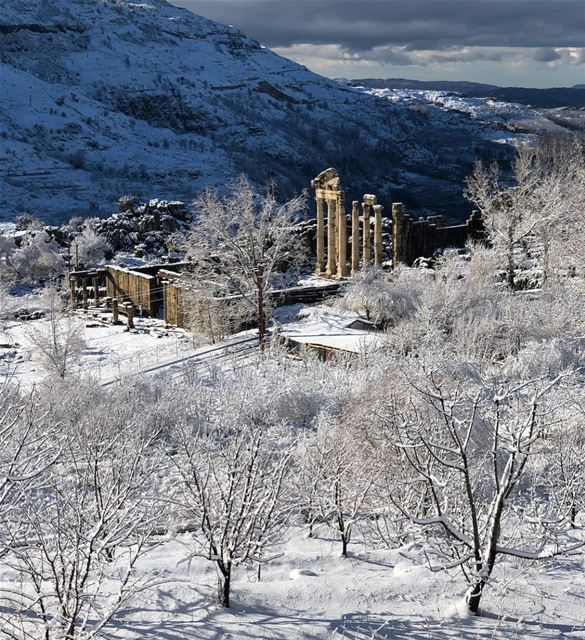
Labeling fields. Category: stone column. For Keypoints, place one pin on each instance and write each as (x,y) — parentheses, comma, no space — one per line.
(355,237)
(331,238)
(115,318)
(378,235)
(341,237)
(129,314)
(84,293)
(96,290)
(320,236)
(366,235)
(73,292)
(398,234)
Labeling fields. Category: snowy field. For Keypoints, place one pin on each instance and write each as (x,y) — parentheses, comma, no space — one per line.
(311,592)
(111,351)
(307,590)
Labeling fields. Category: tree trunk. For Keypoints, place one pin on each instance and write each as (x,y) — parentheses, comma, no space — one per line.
(474,596)
(573,516)
(261,309)
(511,270)
(70,632)
(345,539)
(344,543)
(224,577)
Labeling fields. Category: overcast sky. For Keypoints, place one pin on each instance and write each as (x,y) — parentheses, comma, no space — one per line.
(538,43)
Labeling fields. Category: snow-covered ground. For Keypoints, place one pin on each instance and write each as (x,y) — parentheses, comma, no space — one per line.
(311,592)
(110,351)
(308,591)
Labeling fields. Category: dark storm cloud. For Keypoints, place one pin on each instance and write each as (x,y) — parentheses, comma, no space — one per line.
(360,25)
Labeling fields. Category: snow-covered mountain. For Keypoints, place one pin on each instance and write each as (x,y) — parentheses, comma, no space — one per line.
(102,98)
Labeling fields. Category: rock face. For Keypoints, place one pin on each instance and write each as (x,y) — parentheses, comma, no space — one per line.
(143,228)
(107,97)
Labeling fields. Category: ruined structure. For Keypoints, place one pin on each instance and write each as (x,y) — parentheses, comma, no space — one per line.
(411,239)
(160,291)
(330,195)
(151,291)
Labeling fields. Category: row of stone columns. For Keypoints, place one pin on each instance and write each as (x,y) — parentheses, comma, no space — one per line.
(84,291)
(334,262)
(332,240)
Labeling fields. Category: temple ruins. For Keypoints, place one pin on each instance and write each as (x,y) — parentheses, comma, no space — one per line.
(329,195)
(411,239)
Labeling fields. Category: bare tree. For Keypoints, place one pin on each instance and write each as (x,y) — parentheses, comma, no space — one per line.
(91,248)
(565,473)
(38,257)
(29,445)
(308,479)
(87,526)
(381,297)
(8,304)
(475,451)
(58,340)
(240,243)
(543,205)
(339,485)
(561,162)
(233,486)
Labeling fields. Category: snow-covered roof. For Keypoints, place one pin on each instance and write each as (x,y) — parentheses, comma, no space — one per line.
(331,329)
(355,342)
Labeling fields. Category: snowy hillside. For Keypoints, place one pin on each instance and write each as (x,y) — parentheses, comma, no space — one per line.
(507,116)
(103,98)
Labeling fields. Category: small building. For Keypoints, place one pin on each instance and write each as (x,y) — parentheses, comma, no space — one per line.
(327,348)
(330,335)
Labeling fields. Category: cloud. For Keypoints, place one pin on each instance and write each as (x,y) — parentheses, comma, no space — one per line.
(546,54)
(561,55)
(415,24)
(402,56)
(526,42)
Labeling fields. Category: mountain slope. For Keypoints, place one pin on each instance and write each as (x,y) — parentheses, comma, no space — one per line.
(101,98)
(550,98)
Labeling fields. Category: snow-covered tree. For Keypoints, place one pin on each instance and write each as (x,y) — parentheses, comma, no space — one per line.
(87,526)
(565,472)
(7,247)
(37,258)
(9,303)
(233,468)
(29,445)
(58,339)
(91,248)
(381,297)
(476,451)
(543,205)
(239,242)
(336,486)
